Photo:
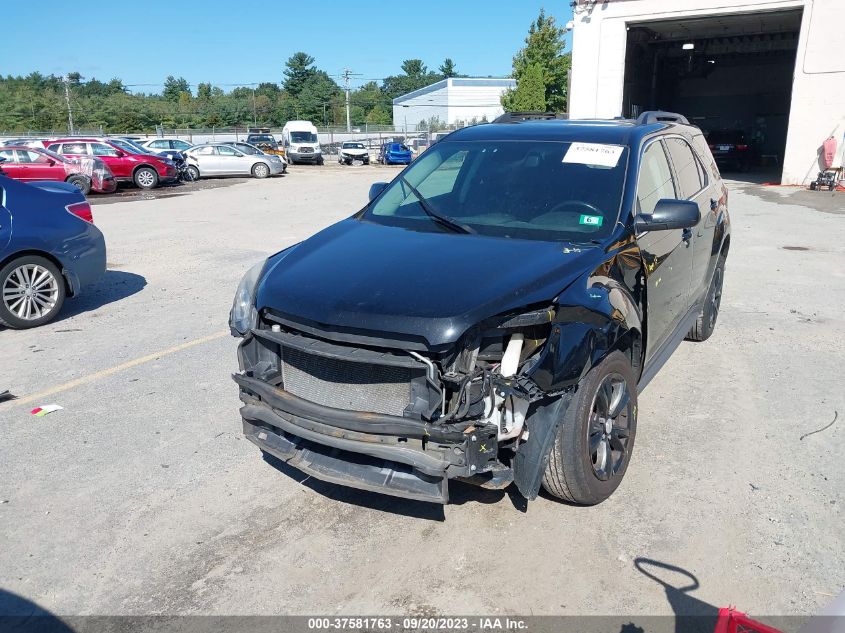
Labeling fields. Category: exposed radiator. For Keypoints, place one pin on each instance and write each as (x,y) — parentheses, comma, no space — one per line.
(347,385)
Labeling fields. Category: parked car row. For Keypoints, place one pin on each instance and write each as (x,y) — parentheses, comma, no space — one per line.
(98,164)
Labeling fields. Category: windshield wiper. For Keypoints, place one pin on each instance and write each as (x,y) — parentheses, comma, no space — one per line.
(434,215)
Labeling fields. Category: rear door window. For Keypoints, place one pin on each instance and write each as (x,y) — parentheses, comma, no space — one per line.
(655,179)
(686,167)
(77,149)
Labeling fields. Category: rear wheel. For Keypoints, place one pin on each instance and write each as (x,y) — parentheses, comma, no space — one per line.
(146,178)
(33,292)
(81,182)
(594,442)
(260,170)
(706,321)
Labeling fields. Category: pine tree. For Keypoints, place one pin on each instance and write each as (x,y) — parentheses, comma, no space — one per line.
(544,46)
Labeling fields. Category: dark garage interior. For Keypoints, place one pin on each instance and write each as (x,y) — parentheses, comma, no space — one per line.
(730,74)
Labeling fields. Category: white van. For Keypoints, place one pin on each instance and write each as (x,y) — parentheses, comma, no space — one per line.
(301,143)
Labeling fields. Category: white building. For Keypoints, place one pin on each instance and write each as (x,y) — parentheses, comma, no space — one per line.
(772,68)
(451,100)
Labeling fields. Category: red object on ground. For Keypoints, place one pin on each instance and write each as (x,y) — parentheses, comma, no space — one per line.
(732,621)
(828,152)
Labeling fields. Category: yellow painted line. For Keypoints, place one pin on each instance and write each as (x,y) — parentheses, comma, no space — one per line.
(84,380)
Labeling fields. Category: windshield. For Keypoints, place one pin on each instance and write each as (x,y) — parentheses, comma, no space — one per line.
(353,146)
(303,137)
(261,138)
(129,148)
(247,149)
(547,191)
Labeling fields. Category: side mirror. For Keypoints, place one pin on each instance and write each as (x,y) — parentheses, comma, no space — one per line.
(119,153)
(376,188)
(670,214)
(51,162)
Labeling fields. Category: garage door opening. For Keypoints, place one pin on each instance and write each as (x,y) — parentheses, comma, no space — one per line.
(730,74)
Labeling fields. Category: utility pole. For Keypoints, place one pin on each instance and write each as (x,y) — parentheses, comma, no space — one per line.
(254,115)
(346,75)
(69,112)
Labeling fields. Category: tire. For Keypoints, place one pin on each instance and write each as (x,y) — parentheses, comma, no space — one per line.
(19,311)
(574,472)
(146,178)
(81,182)
(260,170)
(320,161)
(706,321)
(194,172)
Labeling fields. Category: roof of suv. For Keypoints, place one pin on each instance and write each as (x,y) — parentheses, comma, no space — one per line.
(612,131)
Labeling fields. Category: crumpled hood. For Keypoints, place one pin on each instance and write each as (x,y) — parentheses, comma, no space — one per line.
(428,285)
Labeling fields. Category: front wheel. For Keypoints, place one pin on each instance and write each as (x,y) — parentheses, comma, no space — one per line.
(260,170)
(33,292)
(320,160)
(146,178)
(594,442)
(193,172)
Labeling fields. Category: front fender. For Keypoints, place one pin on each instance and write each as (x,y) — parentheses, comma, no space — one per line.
(594,318)
(597,314)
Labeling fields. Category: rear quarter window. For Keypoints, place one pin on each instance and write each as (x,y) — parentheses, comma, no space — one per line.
(703,151)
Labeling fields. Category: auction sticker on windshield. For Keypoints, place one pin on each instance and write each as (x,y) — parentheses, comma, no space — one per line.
(596,154)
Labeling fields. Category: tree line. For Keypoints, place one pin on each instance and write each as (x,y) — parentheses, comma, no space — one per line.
(38,102)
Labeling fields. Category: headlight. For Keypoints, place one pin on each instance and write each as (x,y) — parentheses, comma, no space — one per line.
(243,316)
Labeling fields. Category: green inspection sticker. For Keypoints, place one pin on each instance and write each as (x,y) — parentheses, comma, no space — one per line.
(592,220)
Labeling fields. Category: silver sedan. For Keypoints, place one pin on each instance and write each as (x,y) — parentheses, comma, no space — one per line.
(220,159)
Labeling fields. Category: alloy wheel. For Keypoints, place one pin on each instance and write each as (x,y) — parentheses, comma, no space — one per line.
(609,426)
(146,179)
(30,292)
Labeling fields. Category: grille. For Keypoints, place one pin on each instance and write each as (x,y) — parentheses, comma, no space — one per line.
(347,385)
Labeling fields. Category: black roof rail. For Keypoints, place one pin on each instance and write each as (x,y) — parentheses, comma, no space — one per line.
(516,117)
(656,116)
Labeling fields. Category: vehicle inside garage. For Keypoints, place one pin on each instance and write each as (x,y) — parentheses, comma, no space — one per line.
(729,74)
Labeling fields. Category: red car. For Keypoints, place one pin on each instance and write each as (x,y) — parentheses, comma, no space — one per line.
(147,171)
(33,163)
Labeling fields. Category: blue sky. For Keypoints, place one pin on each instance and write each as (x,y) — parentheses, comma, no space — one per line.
(242,43)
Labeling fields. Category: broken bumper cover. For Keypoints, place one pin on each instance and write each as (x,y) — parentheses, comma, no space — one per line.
(383,453)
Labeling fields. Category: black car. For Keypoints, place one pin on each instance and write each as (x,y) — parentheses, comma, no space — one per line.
(492,313)
(731,149)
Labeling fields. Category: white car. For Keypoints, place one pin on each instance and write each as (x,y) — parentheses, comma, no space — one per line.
(165,144)
(220,159)
(350,151)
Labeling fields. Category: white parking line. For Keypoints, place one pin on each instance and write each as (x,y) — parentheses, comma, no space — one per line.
(84,380)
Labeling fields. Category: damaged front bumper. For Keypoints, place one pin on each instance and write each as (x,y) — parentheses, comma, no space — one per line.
(384,453)
(392,420)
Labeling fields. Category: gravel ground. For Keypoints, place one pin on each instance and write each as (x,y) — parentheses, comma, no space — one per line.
(141,497)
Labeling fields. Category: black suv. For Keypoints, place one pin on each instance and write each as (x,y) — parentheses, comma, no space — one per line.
(492,313)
